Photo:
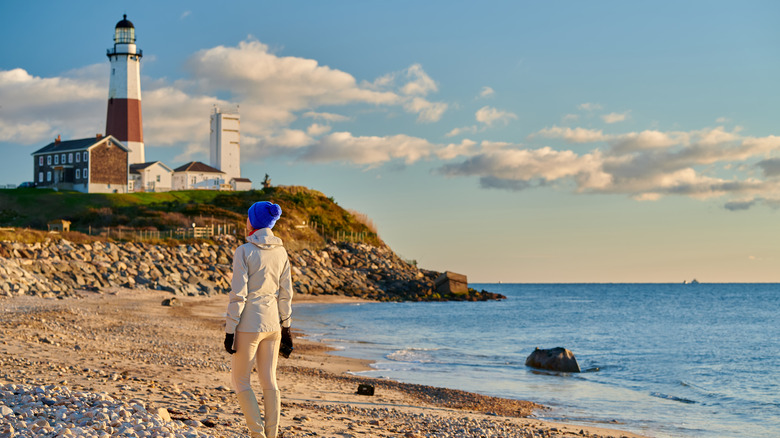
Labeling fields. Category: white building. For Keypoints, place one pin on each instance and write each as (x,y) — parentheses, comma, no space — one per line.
(225,142)
(196,175)
(151,177)
(240,184)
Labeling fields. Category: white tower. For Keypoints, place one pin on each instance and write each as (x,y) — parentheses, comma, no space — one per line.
(225,142)
(123,120)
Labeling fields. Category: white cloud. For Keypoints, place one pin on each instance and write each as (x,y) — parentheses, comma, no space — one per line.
(486,92)
(571,117)
(328,117)
(374,151)
(26,133)
(191,152)
(420,84)
(636,141)
(615,117)
(411,94)
(466,129)
(589,106)
(185,14)
(35,109)
(525,168)
(290,138)
(426,111)
(490,116)
(367,150)
(645,165)
(251,73)
(575,135)
(316,129)
(722,120)
(465,148)
(173,117)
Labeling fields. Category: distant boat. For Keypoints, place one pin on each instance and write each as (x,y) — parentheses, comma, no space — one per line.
(694,281)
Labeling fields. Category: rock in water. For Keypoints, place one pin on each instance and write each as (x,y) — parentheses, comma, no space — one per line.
(554,359)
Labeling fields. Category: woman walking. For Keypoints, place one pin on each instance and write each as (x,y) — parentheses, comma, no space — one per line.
(258,317)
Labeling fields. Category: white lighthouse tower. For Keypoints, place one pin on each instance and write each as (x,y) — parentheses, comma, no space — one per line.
(225,142)
(123,120)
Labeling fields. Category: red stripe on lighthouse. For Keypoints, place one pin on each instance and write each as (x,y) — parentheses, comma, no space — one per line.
(123,120)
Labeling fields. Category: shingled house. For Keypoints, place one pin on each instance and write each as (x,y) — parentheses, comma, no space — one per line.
(91,165)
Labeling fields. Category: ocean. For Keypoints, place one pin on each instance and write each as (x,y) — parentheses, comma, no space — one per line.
(664,360)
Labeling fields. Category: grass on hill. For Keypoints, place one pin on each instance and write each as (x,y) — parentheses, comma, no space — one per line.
(302,208)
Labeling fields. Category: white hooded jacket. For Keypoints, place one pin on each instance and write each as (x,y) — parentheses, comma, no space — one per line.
(261,294)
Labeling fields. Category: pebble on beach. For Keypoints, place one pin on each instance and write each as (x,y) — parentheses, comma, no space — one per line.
(32,411)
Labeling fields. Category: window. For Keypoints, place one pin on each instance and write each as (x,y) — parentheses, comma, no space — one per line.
(84,173)
(70,157)
(48,176)
(85,156)
(40,160)
(40,176)
(193,180)
(78,157)
(78,173)
(158,178)
(48,160)
(56,159)
(63,158)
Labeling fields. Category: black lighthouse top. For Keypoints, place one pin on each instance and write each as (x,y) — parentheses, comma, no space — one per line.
(124,33)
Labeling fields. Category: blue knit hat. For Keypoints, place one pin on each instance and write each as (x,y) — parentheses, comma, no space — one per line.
(264,214)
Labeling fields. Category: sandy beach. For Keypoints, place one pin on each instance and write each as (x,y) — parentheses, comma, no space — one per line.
(139,357)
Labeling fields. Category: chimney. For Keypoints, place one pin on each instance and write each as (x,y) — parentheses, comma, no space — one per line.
(57,140)
(98,135)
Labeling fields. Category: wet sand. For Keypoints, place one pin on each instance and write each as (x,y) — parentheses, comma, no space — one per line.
(127,345)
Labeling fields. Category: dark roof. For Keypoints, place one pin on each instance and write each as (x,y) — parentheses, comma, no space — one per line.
(241,180)
(75,145)
(125,23)
(136,168)
(141,166)
(197,166)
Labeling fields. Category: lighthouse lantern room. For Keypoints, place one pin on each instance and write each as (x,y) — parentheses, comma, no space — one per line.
(123,119)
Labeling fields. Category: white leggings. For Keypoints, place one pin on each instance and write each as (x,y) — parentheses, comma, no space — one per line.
(261,349)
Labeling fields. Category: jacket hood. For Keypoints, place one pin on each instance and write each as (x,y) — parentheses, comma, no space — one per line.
(264,238)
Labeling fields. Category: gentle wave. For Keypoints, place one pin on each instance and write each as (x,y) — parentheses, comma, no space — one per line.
(413,355)
(672,397)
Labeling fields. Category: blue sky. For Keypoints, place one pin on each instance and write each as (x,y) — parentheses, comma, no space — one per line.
(509,141)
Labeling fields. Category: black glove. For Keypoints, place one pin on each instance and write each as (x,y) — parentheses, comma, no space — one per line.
(287,343)
(229,343)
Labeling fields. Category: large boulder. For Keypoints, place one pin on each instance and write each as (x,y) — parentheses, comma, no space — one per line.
(554,359)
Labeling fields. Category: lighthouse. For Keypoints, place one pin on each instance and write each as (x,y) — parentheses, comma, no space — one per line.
(123,119)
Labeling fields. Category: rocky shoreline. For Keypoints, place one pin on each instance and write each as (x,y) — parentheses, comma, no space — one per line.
(60,268)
